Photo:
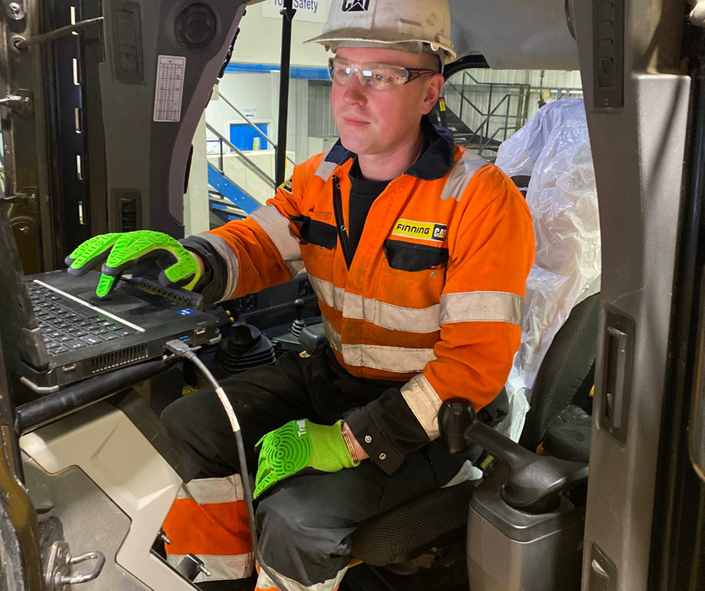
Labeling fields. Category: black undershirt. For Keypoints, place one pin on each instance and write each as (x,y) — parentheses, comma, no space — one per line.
(362,195)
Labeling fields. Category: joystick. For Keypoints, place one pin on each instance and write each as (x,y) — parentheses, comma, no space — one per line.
(298,325)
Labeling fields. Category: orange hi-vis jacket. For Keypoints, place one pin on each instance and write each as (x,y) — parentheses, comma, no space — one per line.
(433,297)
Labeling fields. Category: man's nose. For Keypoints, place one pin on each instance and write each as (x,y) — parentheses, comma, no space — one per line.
(355,91)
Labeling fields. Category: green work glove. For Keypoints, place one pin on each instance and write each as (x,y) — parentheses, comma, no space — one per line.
(149,254)
(299,445)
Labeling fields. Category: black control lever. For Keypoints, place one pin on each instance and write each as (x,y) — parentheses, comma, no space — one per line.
(299,324)
(535,482)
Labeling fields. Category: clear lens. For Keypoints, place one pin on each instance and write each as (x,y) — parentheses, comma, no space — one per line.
(378,76)
(338,72)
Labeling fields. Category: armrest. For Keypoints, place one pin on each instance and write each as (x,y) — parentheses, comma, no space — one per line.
(51,407)
(313,337)
(535,482)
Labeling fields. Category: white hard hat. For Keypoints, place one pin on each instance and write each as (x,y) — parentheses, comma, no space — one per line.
(396,24)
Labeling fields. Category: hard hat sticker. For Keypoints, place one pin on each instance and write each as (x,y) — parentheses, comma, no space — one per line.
(356,5)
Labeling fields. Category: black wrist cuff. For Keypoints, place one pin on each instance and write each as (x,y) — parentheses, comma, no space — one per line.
(214,279)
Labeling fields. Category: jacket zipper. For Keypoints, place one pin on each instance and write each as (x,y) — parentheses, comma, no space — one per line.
(340,222)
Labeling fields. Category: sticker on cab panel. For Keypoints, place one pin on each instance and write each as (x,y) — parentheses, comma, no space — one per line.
(169,91)
(420,230)
(288,185)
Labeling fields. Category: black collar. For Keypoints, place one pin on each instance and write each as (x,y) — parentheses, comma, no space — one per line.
(433,164)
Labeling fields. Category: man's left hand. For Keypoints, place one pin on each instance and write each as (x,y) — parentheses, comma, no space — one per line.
(299,445)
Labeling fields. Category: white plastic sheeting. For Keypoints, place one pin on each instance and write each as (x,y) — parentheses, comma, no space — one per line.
(553,148)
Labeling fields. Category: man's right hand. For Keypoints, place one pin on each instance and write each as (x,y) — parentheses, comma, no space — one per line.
(148,254)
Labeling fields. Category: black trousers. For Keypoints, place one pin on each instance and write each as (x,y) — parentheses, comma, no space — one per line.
(307,521)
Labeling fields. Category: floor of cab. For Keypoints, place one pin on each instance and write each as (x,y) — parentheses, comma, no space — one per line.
(369,578)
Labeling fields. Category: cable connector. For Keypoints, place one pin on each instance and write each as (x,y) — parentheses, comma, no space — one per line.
(180,348)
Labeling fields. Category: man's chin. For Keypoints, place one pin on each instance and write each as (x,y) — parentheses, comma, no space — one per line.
(357,143)
(357,140)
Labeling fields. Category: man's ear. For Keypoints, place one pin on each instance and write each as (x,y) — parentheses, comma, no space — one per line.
(433,93)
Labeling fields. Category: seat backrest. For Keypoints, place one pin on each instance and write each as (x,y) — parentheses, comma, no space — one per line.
(564,369)
(550,158)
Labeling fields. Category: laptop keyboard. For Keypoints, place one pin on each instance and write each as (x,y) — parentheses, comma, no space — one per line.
(67,325)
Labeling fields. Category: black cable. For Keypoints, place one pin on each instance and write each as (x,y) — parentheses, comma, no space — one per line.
(183,350)
(58,33)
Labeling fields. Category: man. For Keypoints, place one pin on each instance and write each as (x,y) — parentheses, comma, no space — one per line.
(418,252)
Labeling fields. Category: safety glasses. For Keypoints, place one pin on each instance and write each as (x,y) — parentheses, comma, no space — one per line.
(377,76)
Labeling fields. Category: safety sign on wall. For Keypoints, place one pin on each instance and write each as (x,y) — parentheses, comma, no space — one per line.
(309,11)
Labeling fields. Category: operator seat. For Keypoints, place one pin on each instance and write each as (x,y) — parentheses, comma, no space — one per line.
(569,365)
(401,534)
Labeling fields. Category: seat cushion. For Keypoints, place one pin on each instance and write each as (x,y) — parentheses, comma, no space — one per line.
(404,532)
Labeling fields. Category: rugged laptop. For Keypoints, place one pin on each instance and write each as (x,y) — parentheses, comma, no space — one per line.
(55,330)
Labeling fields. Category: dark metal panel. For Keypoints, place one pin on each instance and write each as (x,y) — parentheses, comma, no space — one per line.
(92,55)
(68,163)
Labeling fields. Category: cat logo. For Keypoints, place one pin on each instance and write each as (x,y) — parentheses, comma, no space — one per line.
(439,232)
(420,230)
(356,5)
(287,186)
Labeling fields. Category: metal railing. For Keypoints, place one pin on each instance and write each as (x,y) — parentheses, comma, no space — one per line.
(232,182)
(216,198)
(497,123)
(225,178)
(243,157)
(224,209)
(514,99)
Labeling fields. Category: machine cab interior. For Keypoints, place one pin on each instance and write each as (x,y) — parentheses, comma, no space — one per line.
(596,111)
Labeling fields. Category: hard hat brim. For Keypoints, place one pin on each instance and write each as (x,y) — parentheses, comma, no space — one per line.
(382,38)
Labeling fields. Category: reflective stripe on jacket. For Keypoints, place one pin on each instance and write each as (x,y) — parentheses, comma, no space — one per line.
(209,519)
(434,295)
